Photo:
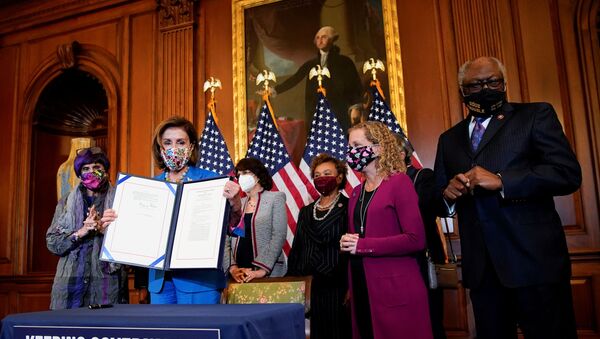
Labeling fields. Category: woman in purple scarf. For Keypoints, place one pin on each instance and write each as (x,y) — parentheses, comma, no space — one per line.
(76,235)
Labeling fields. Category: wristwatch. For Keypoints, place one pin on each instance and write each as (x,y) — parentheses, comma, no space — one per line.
(74,237)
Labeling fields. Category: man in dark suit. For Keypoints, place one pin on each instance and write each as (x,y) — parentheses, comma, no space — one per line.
(343,88)
(499,170)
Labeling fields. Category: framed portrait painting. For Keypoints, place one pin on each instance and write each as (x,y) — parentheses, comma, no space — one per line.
(285,37)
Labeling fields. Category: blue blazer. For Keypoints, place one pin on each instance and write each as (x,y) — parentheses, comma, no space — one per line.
(197,280)
(520,231)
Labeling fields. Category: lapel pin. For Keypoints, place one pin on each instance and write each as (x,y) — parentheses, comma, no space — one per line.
(500,116)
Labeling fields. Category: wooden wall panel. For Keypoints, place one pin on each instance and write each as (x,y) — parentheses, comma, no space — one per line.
(580,74)
(9,61)
(217,56)
(48,151)
(586,299)
(176,59)
(36,51)
(25,294)
(583,297)
(427,109)
(477,29)
(139,113)
(457,319)
(32,302)
(4,304)
(32,294)
(540,65)
(545,68)
(177,62)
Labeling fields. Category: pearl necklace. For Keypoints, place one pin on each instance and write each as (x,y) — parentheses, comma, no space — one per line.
(329,207)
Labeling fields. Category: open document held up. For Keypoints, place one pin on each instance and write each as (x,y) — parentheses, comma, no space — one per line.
(164,225)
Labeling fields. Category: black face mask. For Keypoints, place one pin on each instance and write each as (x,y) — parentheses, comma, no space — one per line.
(485,102)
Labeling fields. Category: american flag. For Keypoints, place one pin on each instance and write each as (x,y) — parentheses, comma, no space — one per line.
(267,146)
(326,136)
(380,111)
(212,149)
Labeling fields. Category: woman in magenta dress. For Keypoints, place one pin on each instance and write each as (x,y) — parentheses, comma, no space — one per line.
(385,233)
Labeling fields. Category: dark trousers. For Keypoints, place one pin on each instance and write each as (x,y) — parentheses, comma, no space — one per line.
(541,311)
(436,312)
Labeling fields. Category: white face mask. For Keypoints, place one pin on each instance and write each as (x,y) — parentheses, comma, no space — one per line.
(246,182)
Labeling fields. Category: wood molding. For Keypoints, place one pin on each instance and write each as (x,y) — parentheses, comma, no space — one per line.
(588,40)
(477,29)
(176,54)
(94,60)
(173,13)
(453,111)
(33,13)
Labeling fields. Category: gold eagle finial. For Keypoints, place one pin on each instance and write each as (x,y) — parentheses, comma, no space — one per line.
(373,65)
(265,77)
(212,84)
(319,72)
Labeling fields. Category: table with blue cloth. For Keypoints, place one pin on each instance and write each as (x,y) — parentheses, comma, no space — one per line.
(265,321)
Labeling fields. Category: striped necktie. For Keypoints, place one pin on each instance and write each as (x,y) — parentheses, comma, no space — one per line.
(477,133)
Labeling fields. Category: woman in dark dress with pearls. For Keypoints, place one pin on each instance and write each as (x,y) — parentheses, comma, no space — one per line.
(315,250)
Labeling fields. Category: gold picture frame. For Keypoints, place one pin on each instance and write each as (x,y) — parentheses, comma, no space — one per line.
(240,73)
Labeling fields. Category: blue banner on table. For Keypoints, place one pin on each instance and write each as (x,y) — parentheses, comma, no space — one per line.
(258,321)
(60,332)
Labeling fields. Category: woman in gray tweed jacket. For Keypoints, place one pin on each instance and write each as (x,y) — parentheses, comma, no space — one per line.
(254,249)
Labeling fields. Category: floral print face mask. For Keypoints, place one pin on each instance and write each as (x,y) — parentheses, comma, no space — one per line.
(359,157)
(93,180)
(176,158)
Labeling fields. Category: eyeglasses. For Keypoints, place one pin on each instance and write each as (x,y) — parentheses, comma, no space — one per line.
(94,150)
(475,87)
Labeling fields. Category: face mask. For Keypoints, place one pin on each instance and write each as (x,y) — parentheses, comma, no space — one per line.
(359,157)
(93,180)
(485,102)
(246,182)
(176,158)
(325,184)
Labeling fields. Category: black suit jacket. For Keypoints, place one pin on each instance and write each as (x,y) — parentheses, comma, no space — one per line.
(521,232)
(424,183)
(343,88)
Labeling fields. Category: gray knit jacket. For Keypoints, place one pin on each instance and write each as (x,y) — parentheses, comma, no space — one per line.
(269,228)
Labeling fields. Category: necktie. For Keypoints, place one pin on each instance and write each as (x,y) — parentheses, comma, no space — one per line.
(477,133)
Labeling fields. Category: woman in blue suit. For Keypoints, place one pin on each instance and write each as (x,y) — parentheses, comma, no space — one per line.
(174,149)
